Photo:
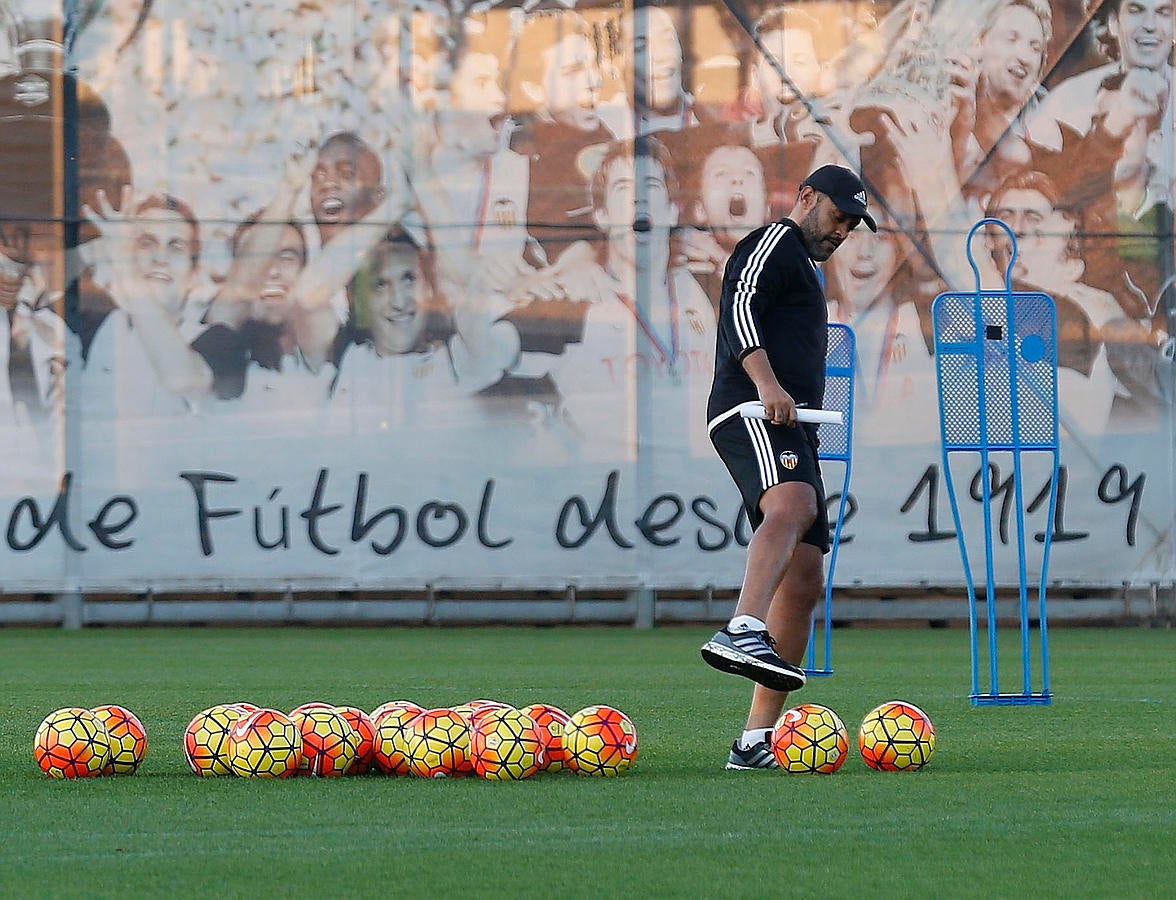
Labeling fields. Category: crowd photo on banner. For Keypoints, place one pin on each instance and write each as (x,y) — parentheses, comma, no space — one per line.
(358,292)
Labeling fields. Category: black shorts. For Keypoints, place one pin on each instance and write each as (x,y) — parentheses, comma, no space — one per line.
(759,455)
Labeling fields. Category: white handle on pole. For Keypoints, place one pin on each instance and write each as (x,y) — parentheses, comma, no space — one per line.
(753,409)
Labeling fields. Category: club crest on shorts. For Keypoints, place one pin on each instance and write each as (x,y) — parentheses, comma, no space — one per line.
(788,459)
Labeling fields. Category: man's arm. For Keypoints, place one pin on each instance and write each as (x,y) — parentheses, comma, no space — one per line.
(180,369)
(340,257)
(255,252)
(778,403)
(739,323)
(1128,115)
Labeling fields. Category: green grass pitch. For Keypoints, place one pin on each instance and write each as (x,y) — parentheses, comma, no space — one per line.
(1071,800)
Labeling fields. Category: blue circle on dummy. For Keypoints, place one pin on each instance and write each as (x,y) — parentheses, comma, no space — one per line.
(1032,348)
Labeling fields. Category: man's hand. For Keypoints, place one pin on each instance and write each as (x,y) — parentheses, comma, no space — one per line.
(697,248)
(116,228)
(779,407)
(1139,98)
(299,166)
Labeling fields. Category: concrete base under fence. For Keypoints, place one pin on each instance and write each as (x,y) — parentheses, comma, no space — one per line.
(641,607)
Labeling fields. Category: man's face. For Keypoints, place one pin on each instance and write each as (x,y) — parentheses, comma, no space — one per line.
(1012,51)
(396,302)
(626,202)
(273,303)
(162,250)
(571,82)
(867,263)
(476,105)
(1144,31)
(658,53)
(733,195)
(475,87)
(1043,235)
(793,50)
(824,226)
(345,184)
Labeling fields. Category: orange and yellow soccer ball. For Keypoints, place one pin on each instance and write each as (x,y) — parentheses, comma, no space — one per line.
(482,703)
(393,706)
(306,707)
(478,709)
(330,745)
(391,740)
(127,738)
(206,739)
(551,721)
(264,744)
(438,744)
(896,736)
(810,738)
(599,740)
(71,743)
(505,745)
(365,734)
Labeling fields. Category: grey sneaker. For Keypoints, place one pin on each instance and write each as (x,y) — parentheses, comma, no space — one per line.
(757,756)
(752,654)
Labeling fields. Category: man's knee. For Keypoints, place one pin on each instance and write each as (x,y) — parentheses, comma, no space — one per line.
(806,574)
(792,503)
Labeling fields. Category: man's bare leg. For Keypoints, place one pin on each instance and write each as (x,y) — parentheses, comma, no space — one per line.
(789,509)
(789,621)
(743,647)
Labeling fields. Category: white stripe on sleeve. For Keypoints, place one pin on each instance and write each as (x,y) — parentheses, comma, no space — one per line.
(745,328)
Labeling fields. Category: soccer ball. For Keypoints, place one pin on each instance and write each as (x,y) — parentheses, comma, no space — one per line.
(71,743)
(810,738)
(484,703)
(365,733)
(306,707)
(127,738)
(205,737)
(329,743)
(438,744)
(480,709)
(391,748)
(393,706)
(896,736)
(465,710)
(477,707)
(505,744)
(599,740)
(264,744)
(551,721)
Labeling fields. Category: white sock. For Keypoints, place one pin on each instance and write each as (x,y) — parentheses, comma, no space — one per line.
(746,623)
(753,736)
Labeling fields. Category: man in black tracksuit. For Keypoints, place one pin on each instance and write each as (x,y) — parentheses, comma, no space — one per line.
(771,348)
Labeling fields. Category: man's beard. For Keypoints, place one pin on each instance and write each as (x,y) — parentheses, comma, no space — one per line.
(812,237)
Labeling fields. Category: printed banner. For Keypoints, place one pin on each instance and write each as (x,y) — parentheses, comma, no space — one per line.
(377,294)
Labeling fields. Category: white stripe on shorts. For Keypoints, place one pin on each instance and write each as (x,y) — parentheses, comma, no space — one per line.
(758,432)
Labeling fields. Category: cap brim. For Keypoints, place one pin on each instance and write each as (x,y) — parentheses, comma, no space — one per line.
(856,209)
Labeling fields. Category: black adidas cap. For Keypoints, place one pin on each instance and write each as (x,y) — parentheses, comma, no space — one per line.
(845,190)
